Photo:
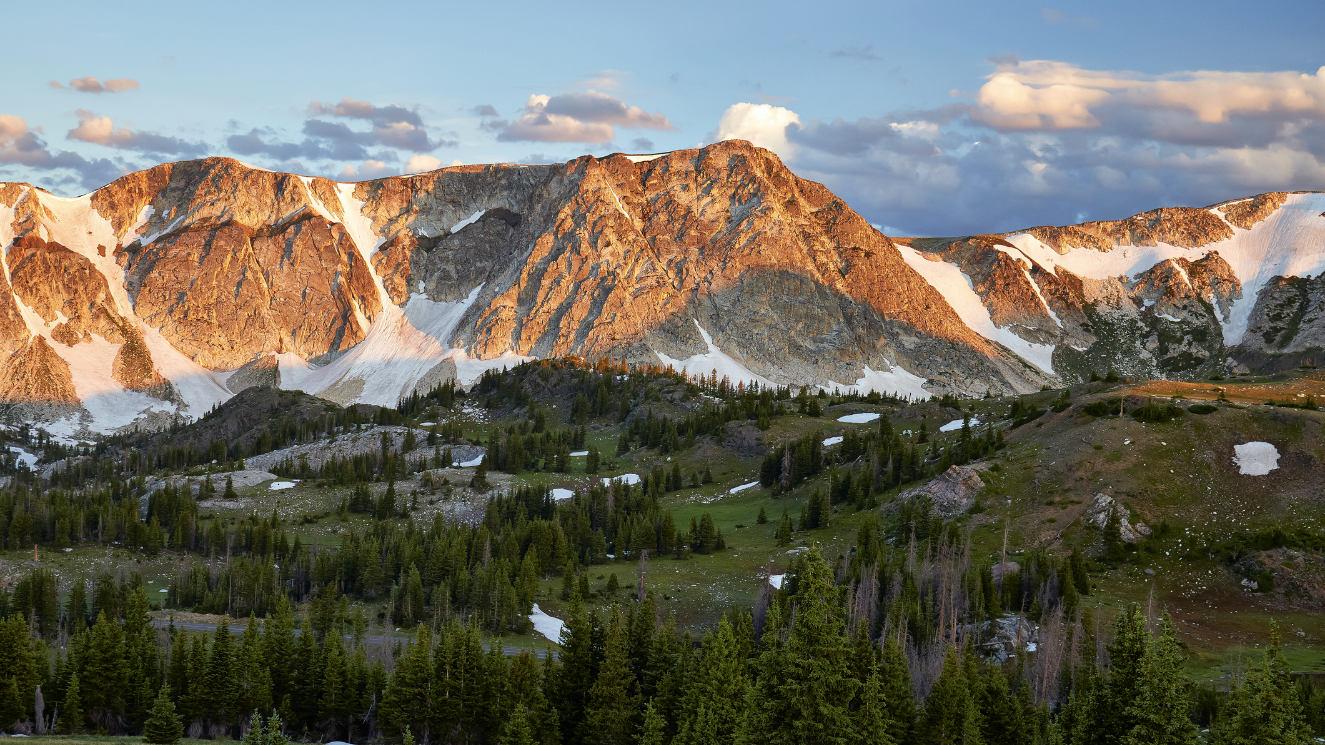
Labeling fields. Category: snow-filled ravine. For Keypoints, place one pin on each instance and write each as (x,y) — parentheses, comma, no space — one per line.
(1256,458)
(548,626)
(714,360)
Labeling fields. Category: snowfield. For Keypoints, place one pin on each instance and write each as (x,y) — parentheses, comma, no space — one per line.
(742,487)
(559,494)
(549,626)
(896,381)
(1256,458)
(282,485)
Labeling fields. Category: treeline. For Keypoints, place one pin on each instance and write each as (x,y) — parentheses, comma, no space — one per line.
(865,465)
(803,667)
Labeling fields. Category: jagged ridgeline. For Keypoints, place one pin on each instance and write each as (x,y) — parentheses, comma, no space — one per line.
(170,290)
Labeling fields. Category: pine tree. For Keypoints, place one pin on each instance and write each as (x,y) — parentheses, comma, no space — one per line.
(517,730)
(872,725)
(710,710)
(950,716)
(612,712)
(654,730)
(1263,709)
(163,726)
(71,711)
(1160,710)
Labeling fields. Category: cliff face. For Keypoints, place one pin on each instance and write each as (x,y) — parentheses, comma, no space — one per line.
(169,289)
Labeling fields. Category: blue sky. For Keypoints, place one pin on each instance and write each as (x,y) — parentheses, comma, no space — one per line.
(928,117)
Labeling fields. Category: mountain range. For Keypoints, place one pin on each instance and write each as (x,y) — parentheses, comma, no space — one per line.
(165,292)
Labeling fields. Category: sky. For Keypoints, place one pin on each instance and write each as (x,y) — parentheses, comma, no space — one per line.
(930,118)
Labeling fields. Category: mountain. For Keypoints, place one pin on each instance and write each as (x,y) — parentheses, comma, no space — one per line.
(168,290)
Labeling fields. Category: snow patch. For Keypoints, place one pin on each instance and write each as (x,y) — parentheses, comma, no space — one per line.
(549,626)
(863,417)
(956,424)
(466,222)
(629,479)
(578,453)
(742,487)
(559,494)
(713,360)
(282,485)
(24,457)
(895,381)
(776,580)
(1256,458)
(831,441)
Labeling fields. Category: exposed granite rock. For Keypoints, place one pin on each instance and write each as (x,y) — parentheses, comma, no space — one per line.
(1099,511)
(951,493)
(1245,213)
(1188,227)
(35,374)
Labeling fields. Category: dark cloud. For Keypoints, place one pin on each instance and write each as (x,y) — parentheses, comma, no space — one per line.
(349,108)
(590,117)
(485,110)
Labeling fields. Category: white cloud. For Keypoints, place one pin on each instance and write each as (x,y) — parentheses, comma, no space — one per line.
(1048,94)
(762,124)
(368,169)
(421,163)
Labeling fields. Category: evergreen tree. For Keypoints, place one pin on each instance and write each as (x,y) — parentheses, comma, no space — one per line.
(71,711)
(163,726)
(950,716)
(1263,709)
(611,716)
(517,730)
(1160,710)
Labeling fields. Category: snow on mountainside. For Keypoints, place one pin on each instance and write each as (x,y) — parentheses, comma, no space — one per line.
(163,293)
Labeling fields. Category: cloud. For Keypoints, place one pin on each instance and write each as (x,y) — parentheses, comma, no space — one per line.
(349,108)
(421,163)
(485,110)
(369,169)
(22,147)
(588,117)
(642,144)
(762,124)
(1049,95)
(90,84)
(865,53)
(393,126)
(1046,142)
(100,130)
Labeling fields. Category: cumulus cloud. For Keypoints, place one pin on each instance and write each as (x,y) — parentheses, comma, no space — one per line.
(763,124)
(589,117)
(101,130)
(22,147)
(369,169)
(1051,95)
(1049,142)
(89,84)
(421,163)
